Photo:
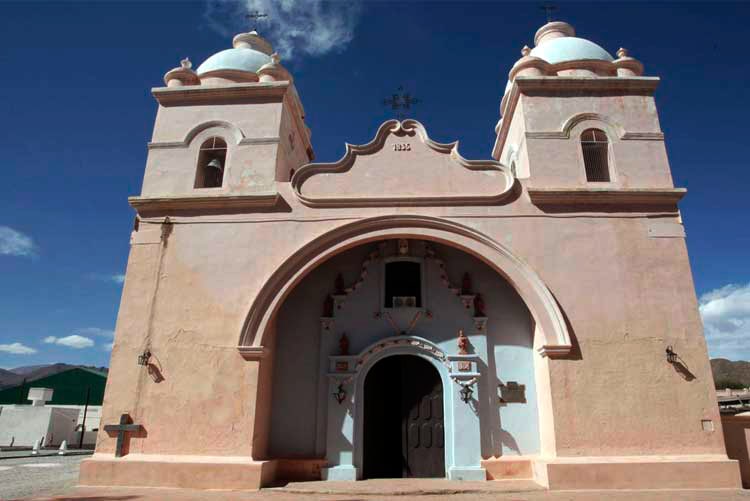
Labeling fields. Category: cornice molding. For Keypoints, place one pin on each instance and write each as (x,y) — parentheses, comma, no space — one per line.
(406,128)
(253,353)
(555,351)
(194,94)
(160,204)
(571,196)
(556,83)
(159,145)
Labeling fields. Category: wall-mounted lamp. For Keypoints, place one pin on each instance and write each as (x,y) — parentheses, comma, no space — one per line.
(466,392)
(671,355)
(340,394)
(144,358)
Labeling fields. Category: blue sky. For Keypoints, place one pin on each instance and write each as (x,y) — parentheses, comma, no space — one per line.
(77,114)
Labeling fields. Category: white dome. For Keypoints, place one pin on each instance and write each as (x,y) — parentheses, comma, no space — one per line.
(250,52)
(564,49)
(235,59)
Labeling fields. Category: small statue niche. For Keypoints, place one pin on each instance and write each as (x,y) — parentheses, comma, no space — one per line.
(344,345)
(466,284)
(339,286)
(463,349)
(463,343)
(403,247)
(328,306)
(479,307)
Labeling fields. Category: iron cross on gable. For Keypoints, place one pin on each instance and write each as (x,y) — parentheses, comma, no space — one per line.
(400,100)
(126,426)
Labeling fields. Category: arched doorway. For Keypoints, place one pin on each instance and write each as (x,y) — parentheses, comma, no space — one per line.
(403,419)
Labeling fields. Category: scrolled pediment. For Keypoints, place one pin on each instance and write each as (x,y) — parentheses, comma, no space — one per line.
(402,166)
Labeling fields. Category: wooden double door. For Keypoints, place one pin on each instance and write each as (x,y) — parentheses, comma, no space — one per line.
(403,420)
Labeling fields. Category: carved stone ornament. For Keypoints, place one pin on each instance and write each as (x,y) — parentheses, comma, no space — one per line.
(463,343)
(480,324)
(466,284)
(479,307)
(344,345)
(328,306)
(403,166)
(403,247)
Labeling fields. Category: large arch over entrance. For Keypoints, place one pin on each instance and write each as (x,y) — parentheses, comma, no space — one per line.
(542,305)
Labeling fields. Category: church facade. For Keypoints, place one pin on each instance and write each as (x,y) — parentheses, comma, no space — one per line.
(405,311)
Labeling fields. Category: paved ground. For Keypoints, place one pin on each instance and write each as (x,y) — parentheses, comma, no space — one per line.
(43,452)
(21,477)
(53,478)
(128,494)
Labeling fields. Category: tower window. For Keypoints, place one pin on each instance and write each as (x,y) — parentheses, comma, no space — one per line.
(211,160)
(403,284)
(595,147)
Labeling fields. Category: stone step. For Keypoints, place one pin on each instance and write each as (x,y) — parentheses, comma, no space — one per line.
(407,487)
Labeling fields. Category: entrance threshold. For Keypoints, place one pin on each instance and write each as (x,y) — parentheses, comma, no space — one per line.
(407,487)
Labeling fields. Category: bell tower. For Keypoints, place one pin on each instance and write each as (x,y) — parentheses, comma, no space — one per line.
(576,118)
(226,133)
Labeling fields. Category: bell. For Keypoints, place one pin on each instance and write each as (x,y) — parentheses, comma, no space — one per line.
(216,164)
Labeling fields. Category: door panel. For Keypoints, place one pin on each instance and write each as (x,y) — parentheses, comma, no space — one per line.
(403,420)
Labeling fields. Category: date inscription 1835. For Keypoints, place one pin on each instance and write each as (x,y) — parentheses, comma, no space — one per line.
(402,147)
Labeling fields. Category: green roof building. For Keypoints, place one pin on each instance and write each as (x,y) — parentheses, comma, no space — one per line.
(70,388)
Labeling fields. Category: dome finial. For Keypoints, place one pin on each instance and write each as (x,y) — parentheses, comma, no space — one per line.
(525,51)
(622,52)
(185,63)
(552,30)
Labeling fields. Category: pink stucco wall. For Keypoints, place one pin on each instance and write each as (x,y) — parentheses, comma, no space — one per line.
(603,270)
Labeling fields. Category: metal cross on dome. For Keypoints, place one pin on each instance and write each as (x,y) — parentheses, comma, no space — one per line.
(549,8)
(400,101)
(255,16)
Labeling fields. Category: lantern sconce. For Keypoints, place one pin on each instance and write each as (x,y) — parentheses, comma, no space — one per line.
(144,358)
(671,355)
(466,393)
(340,394)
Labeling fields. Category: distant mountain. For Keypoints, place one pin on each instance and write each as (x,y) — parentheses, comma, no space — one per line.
(14,377)
(727,373)
(8,378)
(22,371)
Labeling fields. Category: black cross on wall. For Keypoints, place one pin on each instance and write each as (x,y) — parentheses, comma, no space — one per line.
(126,426)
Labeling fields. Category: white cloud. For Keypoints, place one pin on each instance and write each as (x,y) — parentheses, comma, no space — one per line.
(17,349)
(94,331)
(307,27)
(15,243)
(726,320)
(72,341)
(117,278)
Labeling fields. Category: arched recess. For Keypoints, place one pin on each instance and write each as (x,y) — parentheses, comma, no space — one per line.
(550,322)
(229,131)
(604,122)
